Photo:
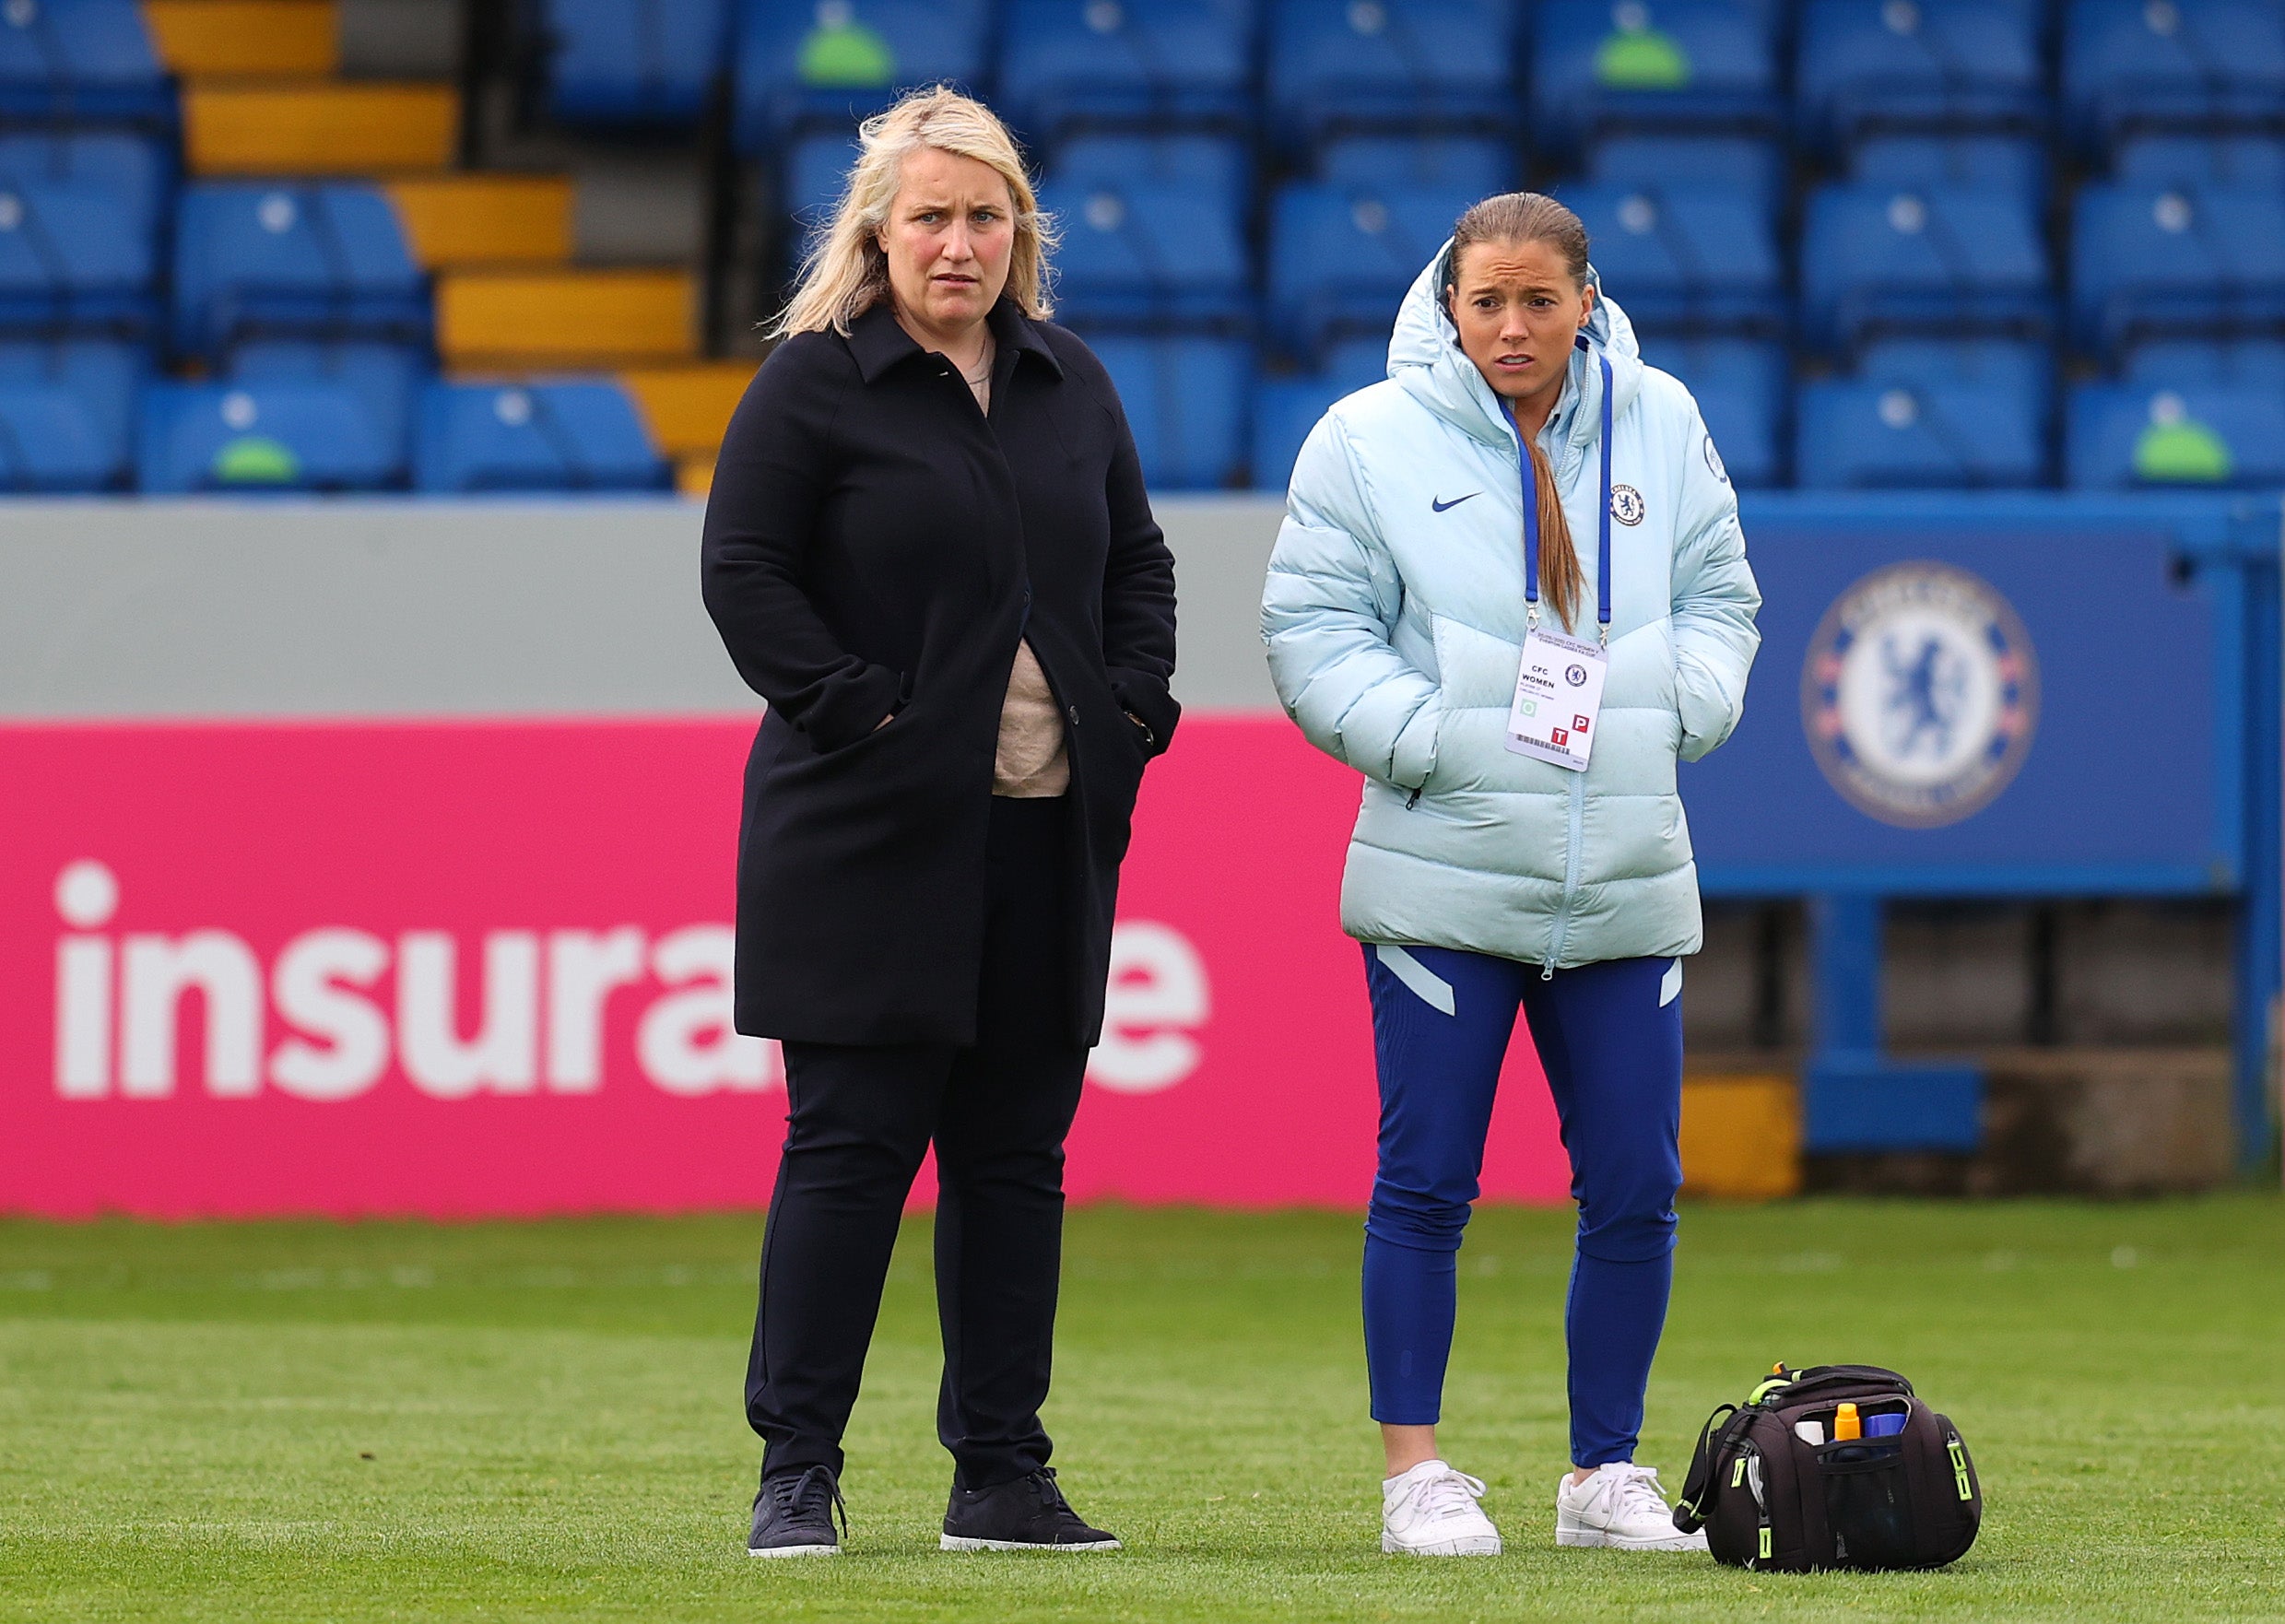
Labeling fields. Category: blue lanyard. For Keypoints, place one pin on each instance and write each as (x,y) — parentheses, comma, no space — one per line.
(1602,514)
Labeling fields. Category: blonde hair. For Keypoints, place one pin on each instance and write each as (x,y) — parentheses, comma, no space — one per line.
(1533,216)
(846,273)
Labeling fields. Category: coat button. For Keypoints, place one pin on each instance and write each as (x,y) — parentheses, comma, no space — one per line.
(1075,715)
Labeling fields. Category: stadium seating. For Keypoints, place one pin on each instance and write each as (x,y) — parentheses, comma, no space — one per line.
(1927,414)
(1464,163)
(133,167)
(1217,164)
(815,167)
(328,260)
(2157,259)
(73,257)
(81,61)
(1286,409)
(831,62)
(2211,63)
(1148,253)
(633,61)
(1948,64)
(1877,258)
(66,415)
(1702,65)
(1411,65)
(1932,163)
(571,435)
(2186,363)
(1186,399)
(1075,62)
(254,437)
(1341,257)
(384,377)
(1686,256)
(2195,433)
(1740,387)
(1753,171)
(2202,160)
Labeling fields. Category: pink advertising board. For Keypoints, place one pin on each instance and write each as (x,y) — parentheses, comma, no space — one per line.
(464,968)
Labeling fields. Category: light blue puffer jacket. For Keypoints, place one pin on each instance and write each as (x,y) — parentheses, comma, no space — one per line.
(1394,631)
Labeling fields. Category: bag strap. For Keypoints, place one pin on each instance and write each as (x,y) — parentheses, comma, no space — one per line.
(1689,1514)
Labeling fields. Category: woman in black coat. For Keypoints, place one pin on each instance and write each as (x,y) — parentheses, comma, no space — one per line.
(928,547)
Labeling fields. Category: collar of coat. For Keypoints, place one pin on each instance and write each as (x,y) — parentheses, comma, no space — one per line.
(880,343)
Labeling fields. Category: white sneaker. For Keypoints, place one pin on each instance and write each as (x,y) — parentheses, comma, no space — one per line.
(1431,1511)
(1620,1508)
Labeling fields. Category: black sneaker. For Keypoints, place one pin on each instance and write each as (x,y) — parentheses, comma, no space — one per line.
(1029,1514)
(794,1515)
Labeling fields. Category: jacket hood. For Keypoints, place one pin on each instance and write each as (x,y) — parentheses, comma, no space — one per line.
(1424,356)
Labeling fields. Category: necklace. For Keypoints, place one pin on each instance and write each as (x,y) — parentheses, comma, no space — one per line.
(982,373)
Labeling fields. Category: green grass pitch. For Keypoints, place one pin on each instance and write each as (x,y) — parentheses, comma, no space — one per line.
(405,1421)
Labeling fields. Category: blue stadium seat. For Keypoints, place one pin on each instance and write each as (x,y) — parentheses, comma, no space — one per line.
(1740,388)
(256,257)
(1286,409)
(259,437)
(1882,258)
(1186,399)
(1066,61)
(1945,64)
(2210,63)
(73,258)
(2202,160)
(1148,253)
(832,62)
(2133,434)
(817,167)
(1932,163)
(138,168)
(384,377)
(80,62)
(2151,259)
(568,434)
(1413,64)
(2195,363)
(67,414)
(1341,257)
(1856,433)
(1215,165)
(1483,165)
(1648,64)
(2015,370)
(1687,256)
(633,61)
(1738,165)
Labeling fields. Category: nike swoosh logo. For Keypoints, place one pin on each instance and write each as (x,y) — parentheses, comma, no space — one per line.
(1454,502)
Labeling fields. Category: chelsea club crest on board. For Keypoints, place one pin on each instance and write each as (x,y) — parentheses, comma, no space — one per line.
(1920,695)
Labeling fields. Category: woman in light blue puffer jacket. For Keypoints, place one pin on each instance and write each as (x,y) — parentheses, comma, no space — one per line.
(1496,863)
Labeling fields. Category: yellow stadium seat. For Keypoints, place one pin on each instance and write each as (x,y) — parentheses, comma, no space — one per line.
(688,408)
(211,38)
(568,318)
(694,475)
(481,219)
(1741,1136)
(287,128)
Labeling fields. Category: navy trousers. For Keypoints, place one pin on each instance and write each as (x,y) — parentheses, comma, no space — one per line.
(1609,1037)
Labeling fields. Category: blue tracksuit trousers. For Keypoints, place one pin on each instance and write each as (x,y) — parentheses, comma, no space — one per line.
(1609,1038)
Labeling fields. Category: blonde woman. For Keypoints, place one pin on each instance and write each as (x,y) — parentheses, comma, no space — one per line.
(929,549)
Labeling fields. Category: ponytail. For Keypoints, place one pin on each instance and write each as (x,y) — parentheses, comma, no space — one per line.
(1562,579)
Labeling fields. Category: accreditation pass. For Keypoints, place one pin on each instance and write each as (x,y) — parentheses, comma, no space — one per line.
(1558,698)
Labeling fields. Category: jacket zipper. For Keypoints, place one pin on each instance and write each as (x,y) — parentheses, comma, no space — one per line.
(1574,837)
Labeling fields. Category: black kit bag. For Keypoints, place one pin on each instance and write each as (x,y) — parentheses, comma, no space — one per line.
(1770,1500)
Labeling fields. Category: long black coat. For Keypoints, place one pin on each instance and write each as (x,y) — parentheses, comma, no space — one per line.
(875,544)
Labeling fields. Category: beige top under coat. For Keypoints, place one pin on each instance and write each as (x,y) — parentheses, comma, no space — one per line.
(1032,761)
